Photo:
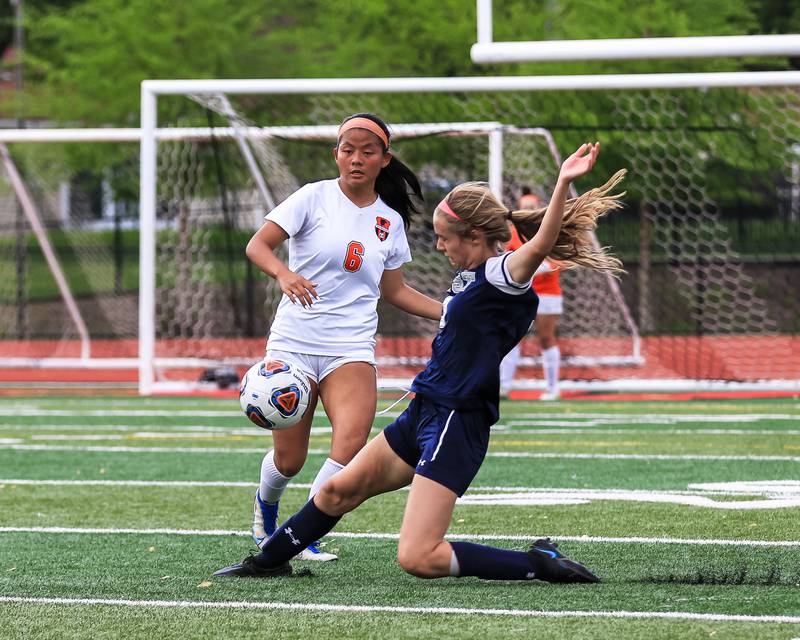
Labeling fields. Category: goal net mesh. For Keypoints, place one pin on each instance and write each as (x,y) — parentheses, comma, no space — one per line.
(709,236)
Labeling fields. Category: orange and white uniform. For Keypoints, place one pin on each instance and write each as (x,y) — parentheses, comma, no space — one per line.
(546,281)
(344,249)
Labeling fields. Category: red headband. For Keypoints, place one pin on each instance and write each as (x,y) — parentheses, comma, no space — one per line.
(443,206)
(369,125)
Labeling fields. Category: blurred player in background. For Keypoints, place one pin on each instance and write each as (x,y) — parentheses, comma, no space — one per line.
(438,444)
(347,247)
(551,305)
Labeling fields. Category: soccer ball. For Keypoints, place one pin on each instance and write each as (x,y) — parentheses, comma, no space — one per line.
(274,394)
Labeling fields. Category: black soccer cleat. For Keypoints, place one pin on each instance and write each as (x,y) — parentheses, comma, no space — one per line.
(550,565)
(249,568)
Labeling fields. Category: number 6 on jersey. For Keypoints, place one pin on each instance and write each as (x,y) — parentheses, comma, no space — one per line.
(353,258)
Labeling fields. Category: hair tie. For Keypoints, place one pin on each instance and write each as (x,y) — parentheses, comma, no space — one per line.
(509,212)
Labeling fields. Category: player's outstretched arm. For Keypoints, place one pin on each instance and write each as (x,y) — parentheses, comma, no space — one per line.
(524,261)
(397,293)
(261,251)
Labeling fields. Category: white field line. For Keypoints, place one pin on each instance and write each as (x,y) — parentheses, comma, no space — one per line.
(196,431)
(145,413)
(171,430)
(635,456)
(491,454)
(576,497)
(345,608)
(731,489)
(116,449)
(770,488)
(569,421)
(60,427)
(772,494)
(509,416)
(396,536)
(505,431)
(147,435)
(651,418)
(143,483)
(342,608)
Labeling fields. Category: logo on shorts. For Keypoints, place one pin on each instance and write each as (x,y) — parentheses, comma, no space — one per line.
(382,228)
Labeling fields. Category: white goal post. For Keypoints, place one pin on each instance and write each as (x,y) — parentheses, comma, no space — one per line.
(487,51)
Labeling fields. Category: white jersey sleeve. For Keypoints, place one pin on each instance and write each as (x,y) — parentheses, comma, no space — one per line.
(497,274)
(400,252)
(291,214)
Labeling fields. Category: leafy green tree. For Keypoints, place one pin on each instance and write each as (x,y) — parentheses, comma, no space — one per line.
(90,56)
(86,58)
(6,25)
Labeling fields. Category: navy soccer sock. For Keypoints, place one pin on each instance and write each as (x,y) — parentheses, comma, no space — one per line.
(294,535)
(491,563)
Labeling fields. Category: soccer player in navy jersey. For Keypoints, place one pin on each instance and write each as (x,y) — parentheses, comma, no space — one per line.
(438,443)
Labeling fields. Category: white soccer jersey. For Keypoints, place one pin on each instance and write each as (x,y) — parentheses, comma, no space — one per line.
(345,250)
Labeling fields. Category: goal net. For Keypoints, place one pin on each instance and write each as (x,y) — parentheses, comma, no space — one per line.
(708,237)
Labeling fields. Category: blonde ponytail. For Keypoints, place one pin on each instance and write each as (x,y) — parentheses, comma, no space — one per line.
(574,245)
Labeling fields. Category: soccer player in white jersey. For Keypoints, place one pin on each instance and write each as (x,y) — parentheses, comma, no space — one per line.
(439,442)
(347,246)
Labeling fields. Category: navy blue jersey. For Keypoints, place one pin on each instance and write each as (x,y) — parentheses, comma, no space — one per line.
(485,315)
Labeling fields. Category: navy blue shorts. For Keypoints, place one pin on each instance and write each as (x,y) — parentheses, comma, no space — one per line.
(445,445)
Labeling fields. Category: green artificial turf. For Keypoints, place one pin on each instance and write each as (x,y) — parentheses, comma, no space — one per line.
(137,578)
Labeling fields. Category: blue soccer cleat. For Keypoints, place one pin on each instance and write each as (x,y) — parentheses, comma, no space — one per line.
(265,520)
(315,553)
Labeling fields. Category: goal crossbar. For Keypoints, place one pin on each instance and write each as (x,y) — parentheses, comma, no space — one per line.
(319,132)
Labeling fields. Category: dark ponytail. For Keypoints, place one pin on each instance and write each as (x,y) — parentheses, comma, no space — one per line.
(396,182)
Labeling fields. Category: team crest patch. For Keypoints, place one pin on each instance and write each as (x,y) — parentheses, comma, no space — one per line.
(382,228)
(462,280)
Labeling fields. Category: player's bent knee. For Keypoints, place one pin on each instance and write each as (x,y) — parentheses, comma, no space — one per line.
(289,466)
(336,498)
(417,563)
(345,448)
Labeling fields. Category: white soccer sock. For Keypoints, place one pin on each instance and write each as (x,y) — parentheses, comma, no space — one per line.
(328,469)
(508,367)
(273,482)
(551,363)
